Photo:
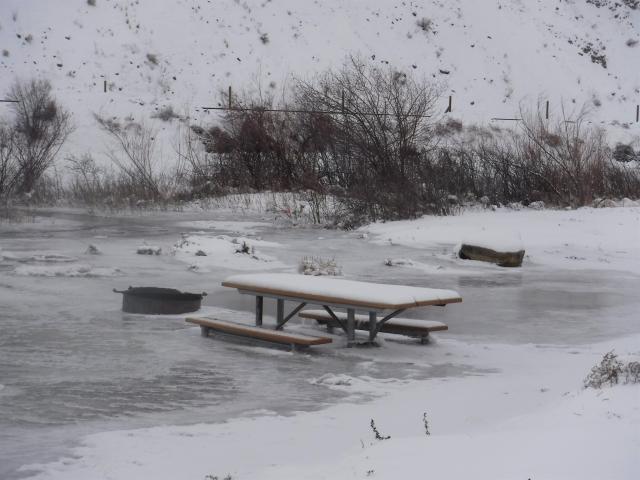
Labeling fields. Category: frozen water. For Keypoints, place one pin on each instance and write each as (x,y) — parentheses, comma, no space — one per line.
(72,363)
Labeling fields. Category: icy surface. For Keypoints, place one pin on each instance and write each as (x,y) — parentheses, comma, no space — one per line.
(81,380)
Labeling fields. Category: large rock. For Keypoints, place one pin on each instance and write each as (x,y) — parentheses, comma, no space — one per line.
(484,254)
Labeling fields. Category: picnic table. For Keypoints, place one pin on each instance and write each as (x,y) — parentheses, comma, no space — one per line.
(373,299)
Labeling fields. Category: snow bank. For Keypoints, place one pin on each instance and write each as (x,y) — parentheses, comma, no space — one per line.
(37,258)
(603,238)
(204,253)
(356,385)
(77,270)
(583,437)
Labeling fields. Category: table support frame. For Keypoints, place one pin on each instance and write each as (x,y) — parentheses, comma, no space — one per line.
(375,325)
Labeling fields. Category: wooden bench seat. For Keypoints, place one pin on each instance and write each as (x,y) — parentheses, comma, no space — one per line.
(400,326)
(275,336)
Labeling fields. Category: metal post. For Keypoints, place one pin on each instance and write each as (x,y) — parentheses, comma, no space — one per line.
(351,327)
(372,326)
(449,108)
(105,86)
(229,97)
(637,113)
(259,304)
(280,312)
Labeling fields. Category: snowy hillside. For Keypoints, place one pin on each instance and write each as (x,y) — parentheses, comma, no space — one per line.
(490,55)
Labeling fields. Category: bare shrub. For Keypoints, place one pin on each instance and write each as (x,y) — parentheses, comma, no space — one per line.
(193,150)
(631,372)
(607,372)
(317,266)
(425,24)
(135,157)
(152,58)
(87,182)
(9,168)
(624,153)
(166,114)
(360,143)
(569,156)
(561,163)
(450,127)
(358,134)
(49,188)
(381,130)
(252,149)
(41,126)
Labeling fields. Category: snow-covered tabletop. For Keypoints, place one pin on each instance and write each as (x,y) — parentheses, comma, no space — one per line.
(323,290)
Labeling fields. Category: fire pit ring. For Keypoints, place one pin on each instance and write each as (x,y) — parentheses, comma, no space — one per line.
(159,301)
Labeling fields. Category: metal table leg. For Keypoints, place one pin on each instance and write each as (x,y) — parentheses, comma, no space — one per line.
(351,327)
(280,312)
(373,326)
(259,304)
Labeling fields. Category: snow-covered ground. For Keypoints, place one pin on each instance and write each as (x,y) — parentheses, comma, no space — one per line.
(90,392)
(529,420)
(587,238)
(491,56)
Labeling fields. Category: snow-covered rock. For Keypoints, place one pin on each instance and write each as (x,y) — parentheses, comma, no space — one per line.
(539,205)
(76,270)
(392,262)
(93,250)
(148,250)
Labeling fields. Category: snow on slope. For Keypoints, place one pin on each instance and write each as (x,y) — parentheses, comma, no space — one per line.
(490,54)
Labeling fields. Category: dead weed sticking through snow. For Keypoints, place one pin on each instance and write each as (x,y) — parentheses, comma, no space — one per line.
(377,433)
(425,421)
